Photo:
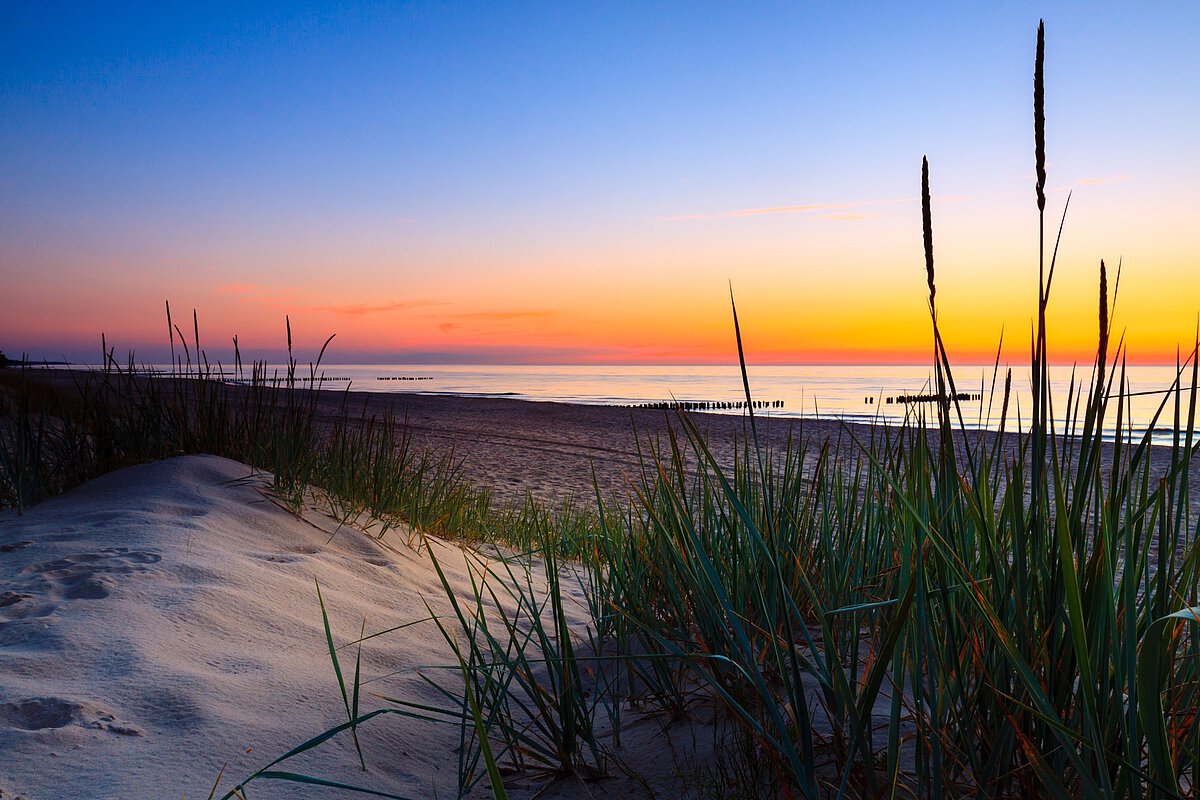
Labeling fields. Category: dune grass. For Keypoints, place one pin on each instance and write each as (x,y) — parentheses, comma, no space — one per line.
(57,432)
(934,612)
(926,612)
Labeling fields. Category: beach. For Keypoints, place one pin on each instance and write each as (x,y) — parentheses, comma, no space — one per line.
(552,449)
(637,403)
(160,625)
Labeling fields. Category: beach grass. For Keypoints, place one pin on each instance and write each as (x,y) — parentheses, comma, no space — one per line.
(926,611)
(360,468)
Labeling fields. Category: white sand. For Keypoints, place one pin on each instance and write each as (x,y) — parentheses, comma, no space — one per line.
(162,621)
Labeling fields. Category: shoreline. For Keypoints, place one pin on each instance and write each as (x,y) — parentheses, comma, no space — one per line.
(550,448)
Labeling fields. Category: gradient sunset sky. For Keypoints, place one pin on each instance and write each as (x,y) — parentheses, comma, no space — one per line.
(575,183)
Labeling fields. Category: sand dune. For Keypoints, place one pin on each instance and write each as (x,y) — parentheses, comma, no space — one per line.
(162,621)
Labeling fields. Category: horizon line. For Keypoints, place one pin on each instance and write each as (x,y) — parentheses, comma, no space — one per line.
(1053,362)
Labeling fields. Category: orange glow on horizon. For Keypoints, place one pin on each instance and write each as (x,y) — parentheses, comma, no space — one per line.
(865,312)
(809,291)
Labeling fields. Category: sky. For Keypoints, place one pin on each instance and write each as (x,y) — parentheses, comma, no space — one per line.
(584,183)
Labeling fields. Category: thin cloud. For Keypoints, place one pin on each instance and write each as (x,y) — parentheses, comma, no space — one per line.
(501,315)
(236,288)
(470,320)
(363,309)
(807,208)
(1118,178)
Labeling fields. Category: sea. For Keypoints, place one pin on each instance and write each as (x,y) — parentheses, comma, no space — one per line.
(855,393)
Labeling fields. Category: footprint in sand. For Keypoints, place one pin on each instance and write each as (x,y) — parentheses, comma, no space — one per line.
(20,614)
(278,558)
(291,556)
(91,576)
(32,632)
(169,708)
(42,713)
(12,598)
(21,605)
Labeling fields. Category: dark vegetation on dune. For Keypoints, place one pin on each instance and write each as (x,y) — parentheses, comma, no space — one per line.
(921,614)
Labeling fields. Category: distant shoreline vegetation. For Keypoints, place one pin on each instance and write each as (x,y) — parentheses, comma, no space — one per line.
(5,361)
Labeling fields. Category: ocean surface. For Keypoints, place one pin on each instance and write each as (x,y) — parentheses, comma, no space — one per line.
(853,393)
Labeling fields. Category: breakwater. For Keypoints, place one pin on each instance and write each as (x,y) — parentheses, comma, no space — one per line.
(909,399)
(708,405)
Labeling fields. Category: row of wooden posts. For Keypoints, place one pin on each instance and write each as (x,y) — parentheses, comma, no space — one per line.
(906,399)
(708,405)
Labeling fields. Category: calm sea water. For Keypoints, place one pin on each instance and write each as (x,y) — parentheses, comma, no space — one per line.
(853,393)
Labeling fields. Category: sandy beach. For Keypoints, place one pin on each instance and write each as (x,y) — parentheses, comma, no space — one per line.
(550,449)
(950,548)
